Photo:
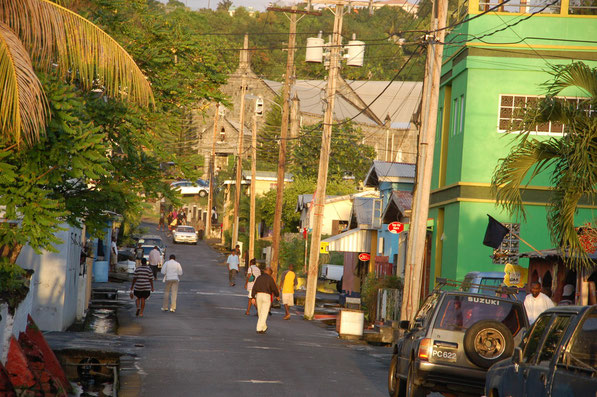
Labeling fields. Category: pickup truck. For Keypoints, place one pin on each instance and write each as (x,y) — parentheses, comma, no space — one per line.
(556,358)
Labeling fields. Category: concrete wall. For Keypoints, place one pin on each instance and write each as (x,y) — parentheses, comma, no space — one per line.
(56,278)
(19,322)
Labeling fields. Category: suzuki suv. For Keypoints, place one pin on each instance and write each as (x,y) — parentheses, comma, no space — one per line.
(455,337)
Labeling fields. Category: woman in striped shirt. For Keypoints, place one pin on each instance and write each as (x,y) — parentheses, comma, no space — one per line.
(142,285)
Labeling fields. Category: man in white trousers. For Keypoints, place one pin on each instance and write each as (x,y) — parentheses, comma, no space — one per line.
(172,272)
(262,292)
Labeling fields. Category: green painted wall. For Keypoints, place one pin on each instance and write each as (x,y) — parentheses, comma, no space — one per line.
(473,152)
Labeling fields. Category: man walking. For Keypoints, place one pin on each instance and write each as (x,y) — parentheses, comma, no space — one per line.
(536,302)
(138,255)
(261,293)
(155,261)
(232,267)
(172,271)
(287,287)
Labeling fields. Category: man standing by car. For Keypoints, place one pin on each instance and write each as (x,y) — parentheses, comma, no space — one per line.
(536,302)
(155,260)
(233,262)
(261,293)
(172,271)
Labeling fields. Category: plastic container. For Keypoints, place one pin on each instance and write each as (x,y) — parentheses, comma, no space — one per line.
(350,323)
(100,271)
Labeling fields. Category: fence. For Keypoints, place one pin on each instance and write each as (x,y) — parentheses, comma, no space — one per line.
(389,302)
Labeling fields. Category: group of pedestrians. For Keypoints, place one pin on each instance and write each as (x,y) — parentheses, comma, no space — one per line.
(142,285)
(262,288)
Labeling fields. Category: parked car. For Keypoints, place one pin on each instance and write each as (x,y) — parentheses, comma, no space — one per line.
(455,337)
(486,282)
(184,234)
(558,357)
(190,188)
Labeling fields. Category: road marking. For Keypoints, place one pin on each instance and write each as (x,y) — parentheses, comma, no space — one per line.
(264,347)
(221,293)
(230,308)
(259,381)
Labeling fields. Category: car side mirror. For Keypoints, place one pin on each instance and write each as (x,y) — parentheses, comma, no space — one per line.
(404,324)
(517,356)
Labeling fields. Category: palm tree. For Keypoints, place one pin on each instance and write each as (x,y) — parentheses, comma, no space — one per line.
(571,159)
(42,35)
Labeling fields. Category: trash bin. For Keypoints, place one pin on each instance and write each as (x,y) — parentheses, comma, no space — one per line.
(100,271)
(349,323)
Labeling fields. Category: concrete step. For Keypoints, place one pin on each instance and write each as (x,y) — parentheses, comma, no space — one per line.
(379,334)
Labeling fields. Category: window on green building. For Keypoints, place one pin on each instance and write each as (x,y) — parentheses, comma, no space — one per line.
(454,127)
(522,6)
(582,7)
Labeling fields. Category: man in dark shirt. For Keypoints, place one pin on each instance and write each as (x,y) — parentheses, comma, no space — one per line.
(261,294)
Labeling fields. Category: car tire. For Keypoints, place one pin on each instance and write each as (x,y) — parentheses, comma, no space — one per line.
(412,389)
(488,342)
(202,193)
(395,383)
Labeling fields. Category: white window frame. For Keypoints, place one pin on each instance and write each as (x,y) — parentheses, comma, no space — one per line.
(461,115)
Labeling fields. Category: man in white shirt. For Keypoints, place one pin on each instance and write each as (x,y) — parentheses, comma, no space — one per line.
(536,302)
(114,255)
(171,271)
(233,262)
(155,260)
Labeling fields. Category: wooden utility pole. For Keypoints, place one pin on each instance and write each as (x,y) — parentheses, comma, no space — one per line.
(251,251)
(415,251)
(288,79)
(212,166)
(239,151)
(326,138)
(294,117)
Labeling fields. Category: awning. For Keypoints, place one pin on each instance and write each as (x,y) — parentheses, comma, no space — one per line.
(353,240)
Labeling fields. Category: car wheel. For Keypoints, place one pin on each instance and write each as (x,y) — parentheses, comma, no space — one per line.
(487,342)
(202,193)
(395,383)
(412,389)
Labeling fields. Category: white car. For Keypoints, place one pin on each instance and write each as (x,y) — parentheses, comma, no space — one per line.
(184,234)
(190,188)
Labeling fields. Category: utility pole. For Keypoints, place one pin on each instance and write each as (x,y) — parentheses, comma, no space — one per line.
(212,166)
(288,78)
(239,151)
(294,117)
(326,138)
(415,252)
(251,251)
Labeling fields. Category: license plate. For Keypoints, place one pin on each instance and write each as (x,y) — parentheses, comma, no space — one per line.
(444,355)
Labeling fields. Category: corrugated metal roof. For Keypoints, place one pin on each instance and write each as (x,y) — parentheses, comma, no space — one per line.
(354,240)
(385,171)
(399,101)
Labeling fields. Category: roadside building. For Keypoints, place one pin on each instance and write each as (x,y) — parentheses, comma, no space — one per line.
(488,76)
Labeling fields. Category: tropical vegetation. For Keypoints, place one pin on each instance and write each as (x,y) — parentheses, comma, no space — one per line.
(570,160)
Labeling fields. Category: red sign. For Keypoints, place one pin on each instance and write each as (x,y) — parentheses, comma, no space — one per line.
(364,257)
(395,227)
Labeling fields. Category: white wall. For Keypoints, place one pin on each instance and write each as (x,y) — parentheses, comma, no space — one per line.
(19,322)
(56,281)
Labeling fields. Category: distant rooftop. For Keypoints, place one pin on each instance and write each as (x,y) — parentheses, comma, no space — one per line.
(385,171)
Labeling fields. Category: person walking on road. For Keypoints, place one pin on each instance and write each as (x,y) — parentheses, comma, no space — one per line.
(172,272)
(252,273)
(261,293)
(536,302)
(138,255)
(155,261)
(142,285)
(232,262)
(287,287)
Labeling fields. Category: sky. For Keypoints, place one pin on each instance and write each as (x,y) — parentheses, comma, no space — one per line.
(258,5)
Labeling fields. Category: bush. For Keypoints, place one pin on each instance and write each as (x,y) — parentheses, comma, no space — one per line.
(369,289)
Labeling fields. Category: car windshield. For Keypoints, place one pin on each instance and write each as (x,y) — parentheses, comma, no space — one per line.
(151,241)
(147,250)
(458,313)
(186,229)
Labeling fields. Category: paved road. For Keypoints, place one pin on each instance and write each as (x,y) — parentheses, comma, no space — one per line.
(209,347)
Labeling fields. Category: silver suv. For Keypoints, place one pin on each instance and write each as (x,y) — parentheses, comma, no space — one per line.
(455,337)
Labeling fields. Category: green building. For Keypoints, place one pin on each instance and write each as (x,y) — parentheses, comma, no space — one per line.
(493,65)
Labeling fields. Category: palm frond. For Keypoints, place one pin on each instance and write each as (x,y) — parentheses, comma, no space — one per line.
(58,37)
(24,108)
(577,74)
(527,159)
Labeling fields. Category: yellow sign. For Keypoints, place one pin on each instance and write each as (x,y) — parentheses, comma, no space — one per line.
(516,276)
(323,248)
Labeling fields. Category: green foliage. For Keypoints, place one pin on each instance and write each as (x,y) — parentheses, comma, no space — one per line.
(14,284)
(348,155)
(369,289)
(570,160)
(293,251)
